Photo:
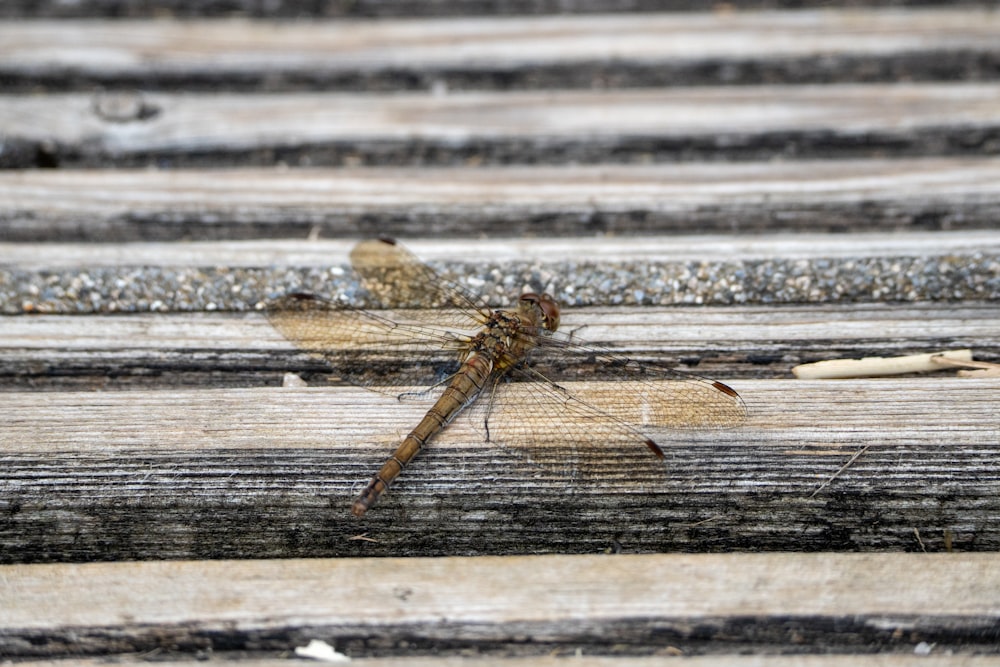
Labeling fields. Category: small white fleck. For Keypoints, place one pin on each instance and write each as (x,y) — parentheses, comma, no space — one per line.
(293,380)
(923,648)
(439,88)
(320,650)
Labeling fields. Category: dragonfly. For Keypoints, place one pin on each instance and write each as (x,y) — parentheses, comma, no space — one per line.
(432,339)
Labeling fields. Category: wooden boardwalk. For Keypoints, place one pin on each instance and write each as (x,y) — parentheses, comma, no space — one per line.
(730,192)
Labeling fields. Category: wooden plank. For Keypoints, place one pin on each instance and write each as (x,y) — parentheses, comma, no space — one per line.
(609,604)
(524,126)
(901,465)
(666,49)
(801,196)
(143,350)
(303,9)
(467,253)
(633,328)
(936,658)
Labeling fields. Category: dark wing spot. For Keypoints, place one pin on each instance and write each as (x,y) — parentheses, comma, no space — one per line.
(655,448)
(725,389)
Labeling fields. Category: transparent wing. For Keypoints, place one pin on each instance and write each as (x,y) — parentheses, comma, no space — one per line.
(416,342)
(626,410)
(383,350)
(398,279)
(646,396)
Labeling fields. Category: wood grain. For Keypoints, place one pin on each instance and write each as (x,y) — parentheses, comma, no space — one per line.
(307,9)
(524,126)
(595,604)
(471,255)
(176,350)
(506,52)
(557,658)
(271,472)
(581,146)
(803,196)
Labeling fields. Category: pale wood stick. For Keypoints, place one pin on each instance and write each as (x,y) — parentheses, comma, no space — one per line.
(876,366)
(983,369)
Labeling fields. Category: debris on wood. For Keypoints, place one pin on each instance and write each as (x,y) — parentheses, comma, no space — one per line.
(878,366)
(981,369)
(844,467)
(320,650)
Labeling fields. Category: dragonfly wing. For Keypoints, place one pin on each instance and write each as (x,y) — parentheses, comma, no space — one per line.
(547,425)
(398,279)
(624,409)
(646,396)
(379,350)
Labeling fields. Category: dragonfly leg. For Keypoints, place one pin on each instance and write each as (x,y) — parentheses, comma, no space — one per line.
(489,404)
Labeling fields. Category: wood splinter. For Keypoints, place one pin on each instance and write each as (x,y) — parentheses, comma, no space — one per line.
(881,366)
(981,369)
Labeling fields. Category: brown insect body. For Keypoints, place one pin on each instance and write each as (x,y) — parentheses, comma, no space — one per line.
(429,332)
(494,351)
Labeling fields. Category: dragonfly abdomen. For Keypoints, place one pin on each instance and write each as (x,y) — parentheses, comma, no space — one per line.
(464,387)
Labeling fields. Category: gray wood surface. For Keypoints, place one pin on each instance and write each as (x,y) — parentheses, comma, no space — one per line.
(155,350)
(271,472)
(802,196)
(936,658)
(660,49)
(306,9)
(654,604)
(471,255)
(629,164)
(662,124)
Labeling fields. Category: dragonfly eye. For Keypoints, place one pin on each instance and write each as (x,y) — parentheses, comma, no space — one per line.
(548,306)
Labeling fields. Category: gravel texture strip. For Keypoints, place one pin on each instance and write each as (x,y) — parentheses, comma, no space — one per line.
(974,276)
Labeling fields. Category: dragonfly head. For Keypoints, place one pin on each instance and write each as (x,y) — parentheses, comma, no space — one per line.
(546,306)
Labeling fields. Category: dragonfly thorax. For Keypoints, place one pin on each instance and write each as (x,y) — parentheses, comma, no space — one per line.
(544,310)
(509,335)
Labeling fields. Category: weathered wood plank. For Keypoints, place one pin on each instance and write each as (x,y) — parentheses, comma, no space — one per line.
(271,473)
(464,254)
(300,9)
(802,196)
(54,352)
(759,122)
(945,657)
(509,52)
(606,604)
